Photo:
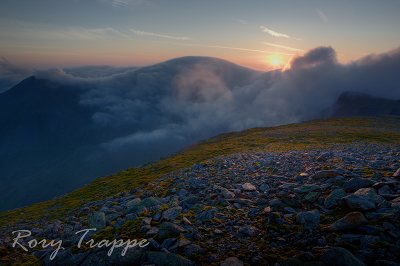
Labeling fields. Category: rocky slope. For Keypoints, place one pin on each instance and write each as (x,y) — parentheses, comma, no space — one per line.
(337,205)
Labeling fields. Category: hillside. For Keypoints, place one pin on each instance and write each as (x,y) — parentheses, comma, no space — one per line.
(362,150)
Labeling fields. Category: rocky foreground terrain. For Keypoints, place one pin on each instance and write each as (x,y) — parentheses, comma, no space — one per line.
(317,207)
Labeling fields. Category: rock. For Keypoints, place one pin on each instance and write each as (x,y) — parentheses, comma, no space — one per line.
(289,210)
(337,180)
(150,202)
(186,221)
(397,173)
(386,263)
(170,244)
(227,194)
(248,231)
(356,183)
(172,213)
(168,229)
(193,249)
(306,188)
(248,187)
(276,203)
(97,220)
(370,194)
(207,215)
(264,187)
(356,202)
(152,231)
(340,256)
(323,157)
(135,205)
(312,196)
(333,198)
(232,261)
(351,221)
(309,219)
(325,174)
(166,259)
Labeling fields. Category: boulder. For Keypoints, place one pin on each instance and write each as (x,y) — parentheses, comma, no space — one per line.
(356,183)
(97,220)
(309,219)
(248,187)
(351,221)
(334,197)
(356,202)
(340,256)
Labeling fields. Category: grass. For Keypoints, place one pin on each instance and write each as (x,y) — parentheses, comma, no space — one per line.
(308,135)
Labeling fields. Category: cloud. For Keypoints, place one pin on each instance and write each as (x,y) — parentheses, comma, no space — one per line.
(139,115)
(283,47)
(243,49)
(125,3)
(157,35)
(175,99)
(241,21)
(322,15)
(27,31)
(277,34)
(274,33)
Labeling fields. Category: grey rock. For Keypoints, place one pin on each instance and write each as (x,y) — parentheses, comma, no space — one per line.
(168,229)
(248,230)
(356,202)
(150,202)
(232,261)
(356,183)
(172,213)
(248,187)
(307,188)
(370,194)
(166,259)
(170,244)
(397,173)
(350,221)
(97,220)
(207,215)
(325,174)
(135,205)
(334,197)
(312,196)
(340,256)
(227,194)
(193,249)
(309,219)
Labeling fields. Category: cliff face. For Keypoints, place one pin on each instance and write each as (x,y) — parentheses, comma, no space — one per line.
(360,104)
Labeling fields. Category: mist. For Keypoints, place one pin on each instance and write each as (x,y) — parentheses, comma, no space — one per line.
(138,115)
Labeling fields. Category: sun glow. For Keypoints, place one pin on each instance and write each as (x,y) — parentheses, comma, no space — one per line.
(276,61)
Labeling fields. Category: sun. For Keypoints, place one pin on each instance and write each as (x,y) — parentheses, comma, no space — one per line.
(275,60)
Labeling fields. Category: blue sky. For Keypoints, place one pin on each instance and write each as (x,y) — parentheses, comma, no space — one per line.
(255,33)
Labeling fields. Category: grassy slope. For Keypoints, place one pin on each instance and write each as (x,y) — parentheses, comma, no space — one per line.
(309,135)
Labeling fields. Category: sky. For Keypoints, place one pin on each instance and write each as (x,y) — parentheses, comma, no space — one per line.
(259,34)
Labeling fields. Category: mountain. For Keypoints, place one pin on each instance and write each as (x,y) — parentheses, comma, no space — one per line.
(58,131)
(362,104)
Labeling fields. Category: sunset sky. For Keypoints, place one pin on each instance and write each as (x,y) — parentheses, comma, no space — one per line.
(258,34)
